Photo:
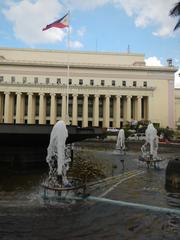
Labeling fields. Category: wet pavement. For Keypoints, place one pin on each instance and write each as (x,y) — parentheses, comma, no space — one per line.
(25,215)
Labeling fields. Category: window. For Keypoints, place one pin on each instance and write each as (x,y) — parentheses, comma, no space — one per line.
(36,80)
(1,78)
(80,81)
(58,81)
(12,79)
(144,84)
(113,82)
(70,81)
(134,83)
(24,79)
(124,83)
(91,82)
(47,80)
(102,82)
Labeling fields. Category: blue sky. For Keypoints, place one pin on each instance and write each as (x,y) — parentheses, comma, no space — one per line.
(96,25)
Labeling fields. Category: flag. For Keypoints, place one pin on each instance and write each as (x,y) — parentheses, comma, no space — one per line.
(60,23)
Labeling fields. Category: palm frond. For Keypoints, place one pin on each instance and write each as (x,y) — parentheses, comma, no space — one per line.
(175,11)
(177,25)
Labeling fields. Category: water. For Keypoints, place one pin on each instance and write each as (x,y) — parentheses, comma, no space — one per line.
(56,155)
(25,215)
(150,147)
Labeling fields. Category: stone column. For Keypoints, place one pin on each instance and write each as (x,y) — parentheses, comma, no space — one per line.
(42,108)
(31,113)
(128,116)
(74,110)
(53,109)
(7,108)
(106,112)
(63,107)
(96,111)
(139,108)
(18,107)
(22,107)
(117,113)
(85,111)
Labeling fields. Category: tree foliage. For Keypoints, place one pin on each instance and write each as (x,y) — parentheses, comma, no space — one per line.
(175,12)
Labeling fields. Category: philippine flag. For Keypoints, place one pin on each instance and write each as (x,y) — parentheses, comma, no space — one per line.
(60,23)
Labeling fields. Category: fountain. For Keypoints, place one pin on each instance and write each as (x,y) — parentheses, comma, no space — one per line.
(57,155)
(120,145)
(150,147)
(58,158)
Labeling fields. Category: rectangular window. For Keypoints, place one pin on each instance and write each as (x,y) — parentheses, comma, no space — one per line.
(91,82)
(47,80)
(1,78)
(144,84)
(113,83)
(102,82)
(80,81)
(134,83)
(70,81)
(124,83)
(58,81)
(12,79)
(36,80)
(24,79)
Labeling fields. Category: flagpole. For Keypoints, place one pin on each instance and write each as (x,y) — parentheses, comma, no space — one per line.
(68,67)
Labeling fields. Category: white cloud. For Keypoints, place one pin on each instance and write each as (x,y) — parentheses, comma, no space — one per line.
(86,5)
(150,12)
(81,31)
(76,45)
(144,12)
(29,17)
(177,62)
(153,61)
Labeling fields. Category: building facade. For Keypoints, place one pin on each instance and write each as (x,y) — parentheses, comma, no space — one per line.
(100,89)
(177,107)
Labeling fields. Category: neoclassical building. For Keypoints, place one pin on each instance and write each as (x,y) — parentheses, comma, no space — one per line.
(100,89)
(177,108)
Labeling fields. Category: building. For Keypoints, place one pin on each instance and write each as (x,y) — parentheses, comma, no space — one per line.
(177,108)
(103,89)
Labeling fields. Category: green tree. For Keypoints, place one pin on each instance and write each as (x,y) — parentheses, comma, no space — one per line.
(175,12)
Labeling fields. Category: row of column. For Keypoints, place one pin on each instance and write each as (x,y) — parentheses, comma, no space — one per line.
(7,104)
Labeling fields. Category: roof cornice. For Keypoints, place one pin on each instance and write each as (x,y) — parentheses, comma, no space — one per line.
(88,66)
(73,51)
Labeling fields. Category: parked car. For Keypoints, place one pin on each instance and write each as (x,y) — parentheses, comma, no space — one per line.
(112,130)
(137,136)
